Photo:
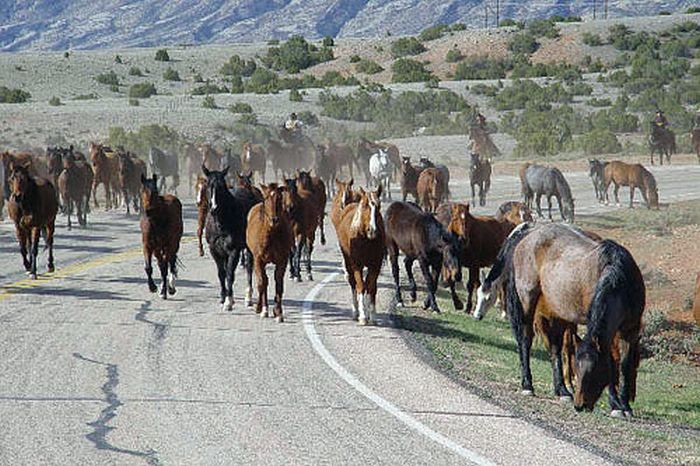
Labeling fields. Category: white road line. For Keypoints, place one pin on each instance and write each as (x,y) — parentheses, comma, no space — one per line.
(410,421)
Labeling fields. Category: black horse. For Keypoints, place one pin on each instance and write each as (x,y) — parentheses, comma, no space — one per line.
(225,232)
(538,180)
(479,175)
(164,165)
(596,170)
(661,141)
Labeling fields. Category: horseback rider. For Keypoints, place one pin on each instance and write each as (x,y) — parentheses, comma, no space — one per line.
(480,120)
(660,119)
(293,126)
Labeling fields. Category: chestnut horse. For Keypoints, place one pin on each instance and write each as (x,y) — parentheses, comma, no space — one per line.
(161,231)
(269,238)
(253,159)
(409,179)
(32,206)
(202,203)
(634,176)
(571,276)
(105,164)
(420,237)
(362,241)
(344,196)
(431,189)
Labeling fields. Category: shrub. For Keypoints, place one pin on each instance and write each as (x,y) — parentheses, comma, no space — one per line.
(273,42)
(355,59)
(91,96)
(248,119)
(142,90)
(526,92)
(596,102)
(328,41)
(114,88)
(565,19)
(481,68)
(406,70)
(674,48)
(432,83)
(135,71)
(664,13)
(66,55)
(543,28)
(237,86)
(162,55)
(580,88)
(197,78)
(209,102)
(511,23)
(236,66)
(118,60)
(171,75)
(209,88)
(55,101)
(262,81)
(433,32)
(692,9)
(110,78)
(599,141)
(134,102)
(309,118)
(453,56)
(406,46)
(240,107)
(593,40)
(485,89)
(13,96)
(295,96)
(523,43)
(614,119)
(295,55)
(141,141)
(368,67)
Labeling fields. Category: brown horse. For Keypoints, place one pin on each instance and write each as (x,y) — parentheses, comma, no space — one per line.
(341,156)
(695,138)
(362,241)
(326,168)
(662,141)
(431,189)
(72,183)
(634,176)
(105,164)
(131,170)
(344,196)
(515,212)
(409,179)
(306,203)
(567,275)
(253,159)
(211,158)
(193,163)
(32,206)
(269,238)
(479,175)
(161,231)
(202,202)
(286,159)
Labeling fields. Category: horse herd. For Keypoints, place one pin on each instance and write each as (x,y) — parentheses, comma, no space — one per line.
(551,277)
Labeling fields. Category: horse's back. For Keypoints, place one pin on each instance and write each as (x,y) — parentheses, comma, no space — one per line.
(696,304)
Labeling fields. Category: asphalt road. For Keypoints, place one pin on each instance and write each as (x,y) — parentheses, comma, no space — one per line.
(94,369)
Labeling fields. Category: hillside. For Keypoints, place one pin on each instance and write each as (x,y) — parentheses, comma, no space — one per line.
(91,24)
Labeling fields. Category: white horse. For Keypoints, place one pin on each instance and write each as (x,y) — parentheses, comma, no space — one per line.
(381,170)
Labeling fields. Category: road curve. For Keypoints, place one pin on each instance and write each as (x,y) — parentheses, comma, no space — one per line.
(96,370)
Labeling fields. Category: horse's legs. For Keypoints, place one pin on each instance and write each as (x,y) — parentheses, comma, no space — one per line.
(555,335)
(309,250)
(371,293)
(35,235)
(472,285)
(297,257)
(393,252)
(247,260)
(148,267)
(261,278)
(79,208)
(163,266)
(412,287)
(549,207)
(360,293)
(538,200)
(473,192)
(631,196)
(279,289)
(350,275)
(322,227)
(231,264)
(200,232)
(49,230)
(522,331)
(173,274)
(430,301)
(561,209)
(629,363)
(221,271)
(23,240)
(68,204)
(456,302)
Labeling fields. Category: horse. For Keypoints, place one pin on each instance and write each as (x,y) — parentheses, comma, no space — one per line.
(515,212)
(202,202)
(269,238)
(431,189)
(482,142)
(425,162)
(696,302)
(341,156)
(326,168)
(54,159)
(538,180)
(362,241)
(695,139)
(161,232)
(365,150)
(225,231)
(567,275)
(164,165)
(35,165)
(193,160)
(479,239)
(634,176)
(32,206)
(662,141)
(72,184)
(420,237)
(131,168)
(105,164)
(479,175)
(380,171)
(344,196)
(409,179)
(596,170)
(210,157)
(287,159)
(253,159)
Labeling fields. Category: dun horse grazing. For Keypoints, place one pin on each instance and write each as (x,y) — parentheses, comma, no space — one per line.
(131,169)
(32,207)
(362,241)
(161,231)
(253,159)
(431,189)
(570,276)
(202,201)
(225,232)
(420,237)
(661,141)
(634,176)
(165,165)
(409,179)
(537,180)
(269,238)
(105,163)
(596,170)
(380,171)
(479,175)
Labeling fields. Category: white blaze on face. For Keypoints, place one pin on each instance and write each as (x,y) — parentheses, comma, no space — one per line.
(357,218)
(213,199)
(247,154)
(199,195)
(372,232)
(483,302)
(345,198)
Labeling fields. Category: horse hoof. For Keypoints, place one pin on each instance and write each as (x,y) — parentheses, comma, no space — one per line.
(172,290)
(309,278)
(362,321)
(152,288)
(279,319)
(32,276)
(51,269)
(527,392)
(617,413)
(628,414)
(565,399)
(459,305)
(228,304)
(265,313)
(164,296)
(355,316)
(298,279)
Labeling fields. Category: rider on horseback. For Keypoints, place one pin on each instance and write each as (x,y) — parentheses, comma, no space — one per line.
(660,119)
(480,120)
(293,127)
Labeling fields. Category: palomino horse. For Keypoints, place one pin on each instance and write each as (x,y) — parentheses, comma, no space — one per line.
(409,179)
(380,171)
(538,180)
(253,159)
(479,175)
(105,163)
(362,241)
(567,275)
(596,170)
(164,165)
(695,138)
(661,141)
(634,176)
(161,231)
(131,169)
(32,207)
(225,232)
(269,238)
(202,202)
(431,188)
(420,237)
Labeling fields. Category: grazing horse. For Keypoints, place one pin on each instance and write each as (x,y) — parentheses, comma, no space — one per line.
(269,238)
(695,139)
(634,176)
(202,202)
(662,141)
(105,163)
(362,241)
(479,175)
(431,189)
(253,159)
(380,171)
(538,180)
(596,170)
(131,169)
(409,179)
(164,165)
(32,206)
(567,275)
(161,231)
(225,231)
(420,237)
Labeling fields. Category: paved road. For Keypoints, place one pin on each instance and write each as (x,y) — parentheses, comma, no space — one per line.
(96,370)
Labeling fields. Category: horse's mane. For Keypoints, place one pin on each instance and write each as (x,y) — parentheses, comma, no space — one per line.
(562,186)
(649,179)
(505,255)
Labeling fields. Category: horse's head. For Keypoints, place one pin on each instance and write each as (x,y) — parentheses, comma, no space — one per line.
(425,162)
(368,217)
(95,151)
(518,213)
(474,162)
(592,370)
(18,181)
(460,222)
(149,191)
(485,297)
(245,180)
(201,189)
(406,164)
(344,192)
(55,162)
(304,180)
(217,187)
(451,267)
(273,203)
(246,151)
(68,161)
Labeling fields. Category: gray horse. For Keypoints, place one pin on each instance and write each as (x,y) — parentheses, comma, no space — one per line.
(538,180)
(164,165)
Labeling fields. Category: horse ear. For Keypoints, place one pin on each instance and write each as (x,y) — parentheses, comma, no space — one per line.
(143,179)
(379,191)
(225,170)
(155,178)
(350,183)
(205,170)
